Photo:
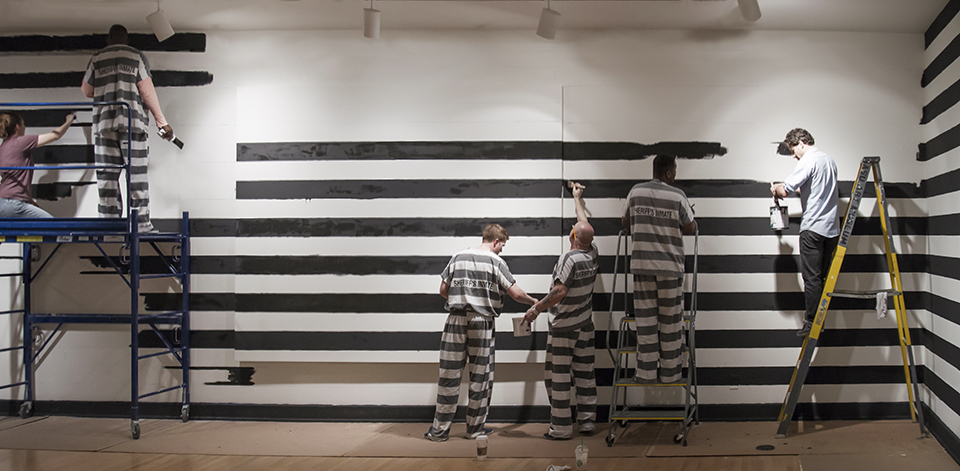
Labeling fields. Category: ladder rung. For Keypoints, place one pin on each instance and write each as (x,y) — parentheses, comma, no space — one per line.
(869,294)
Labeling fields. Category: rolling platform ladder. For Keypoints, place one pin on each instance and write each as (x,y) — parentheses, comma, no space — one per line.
(867,165)
(625,355)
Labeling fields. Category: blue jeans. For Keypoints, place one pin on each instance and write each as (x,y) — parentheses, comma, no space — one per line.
(11,208)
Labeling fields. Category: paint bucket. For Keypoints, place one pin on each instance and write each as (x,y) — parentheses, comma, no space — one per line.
(520,328)
(779,218)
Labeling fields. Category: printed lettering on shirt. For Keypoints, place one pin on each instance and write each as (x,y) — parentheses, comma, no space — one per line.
(464,283)
(654,212)
(586,273)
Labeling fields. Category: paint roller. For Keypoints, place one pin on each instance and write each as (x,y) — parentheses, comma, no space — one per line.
(177,142)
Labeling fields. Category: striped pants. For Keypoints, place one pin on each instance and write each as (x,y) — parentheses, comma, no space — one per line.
(466,336)
(658,306)
(570,364)
(110,147)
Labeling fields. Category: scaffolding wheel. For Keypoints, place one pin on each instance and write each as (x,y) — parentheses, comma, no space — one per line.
(610,439)
(26,409)
(185,413)
(135,429)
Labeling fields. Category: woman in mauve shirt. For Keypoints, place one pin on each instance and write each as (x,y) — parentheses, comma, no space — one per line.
(17,151)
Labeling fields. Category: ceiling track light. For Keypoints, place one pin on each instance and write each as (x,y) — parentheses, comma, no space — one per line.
(549,23)
(159,24)
(749,9)
(371,22)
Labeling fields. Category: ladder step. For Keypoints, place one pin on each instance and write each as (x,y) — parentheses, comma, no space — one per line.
(869,294)
(648,415)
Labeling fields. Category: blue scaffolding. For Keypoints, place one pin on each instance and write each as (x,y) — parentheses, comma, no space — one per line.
(100,231)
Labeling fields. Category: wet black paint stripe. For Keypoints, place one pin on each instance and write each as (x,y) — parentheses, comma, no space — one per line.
(940,23)
(941,62)
(179,42)
(452,227)
(943,102)
(473,150)
(519,265)
(51,117)
(425,303)
(374,189)
(161,78)
(382,189)
(942,184)
(941,144)
(64,154)
(56,190)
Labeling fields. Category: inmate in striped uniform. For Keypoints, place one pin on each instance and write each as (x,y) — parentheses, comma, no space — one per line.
(656,213)
(114,73)
(570,345)
(478,280)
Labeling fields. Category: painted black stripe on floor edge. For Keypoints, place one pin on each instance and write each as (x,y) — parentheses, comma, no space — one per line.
(948,438)
(424,413)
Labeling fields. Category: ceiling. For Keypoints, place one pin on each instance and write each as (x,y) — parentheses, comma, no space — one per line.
(95,16)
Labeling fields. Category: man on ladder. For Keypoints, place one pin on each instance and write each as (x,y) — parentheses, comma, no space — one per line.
(815,179)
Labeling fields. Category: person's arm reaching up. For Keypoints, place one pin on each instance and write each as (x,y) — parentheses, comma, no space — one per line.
(49,137)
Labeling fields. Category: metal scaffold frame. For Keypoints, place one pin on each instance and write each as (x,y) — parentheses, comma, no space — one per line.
(99,231)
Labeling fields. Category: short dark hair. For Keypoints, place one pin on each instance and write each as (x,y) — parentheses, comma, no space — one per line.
(117,35)
(662,164)
(798,135)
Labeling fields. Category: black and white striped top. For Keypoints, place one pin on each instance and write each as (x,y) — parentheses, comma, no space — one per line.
(114,72)
(577,270)
(479,280)
(657,213)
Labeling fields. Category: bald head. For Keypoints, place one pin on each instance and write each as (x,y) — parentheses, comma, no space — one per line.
(117,35)
(582,234)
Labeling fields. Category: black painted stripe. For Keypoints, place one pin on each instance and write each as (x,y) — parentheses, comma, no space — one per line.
(161,78)
(64,154)
(453,227)
(943,307)
(944,142)
(179,42)
(56,190)
(943,102)
(51,117)
(519,265)
(947,267)
(943,433)
(942,184)
(422,302)
(381,189)
(473,150)
(943,19)
(371,189)
(941,62)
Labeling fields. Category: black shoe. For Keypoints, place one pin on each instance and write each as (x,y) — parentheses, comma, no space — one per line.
(482,431)
(805,330)
(551,437)
(436,438)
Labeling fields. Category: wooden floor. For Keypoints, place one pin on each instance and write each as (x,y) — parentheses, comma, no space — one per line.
(55,443)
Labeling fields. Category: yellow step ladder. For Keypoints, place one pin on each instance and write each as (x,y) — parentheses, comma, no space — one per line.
(867,165)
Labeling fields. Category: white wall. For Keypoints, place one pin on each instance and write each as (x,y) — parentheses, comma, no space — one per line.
(858,94)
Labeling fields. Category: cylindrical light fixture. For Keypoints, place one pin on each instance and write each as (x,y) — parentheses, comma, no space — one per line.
(549,23)
(159,24)
(750,9)
(371,22)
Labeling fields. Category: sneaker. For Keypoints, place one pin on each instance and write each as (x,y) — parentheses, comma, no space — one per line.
(639,380)
(805,330)
(442,437)
(551,437)
(482,431)
(587,429)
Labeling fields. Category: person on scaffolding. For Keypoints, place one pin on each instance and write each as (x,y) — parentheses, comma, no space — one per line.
(119,72)
(16,185)
(657,214)
(569,367)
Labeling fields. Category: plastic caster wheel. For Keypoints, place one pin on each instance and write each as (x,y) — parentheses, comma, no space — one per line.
(26,410)
(610,439)
(185,413)
(135,430)
(678,438)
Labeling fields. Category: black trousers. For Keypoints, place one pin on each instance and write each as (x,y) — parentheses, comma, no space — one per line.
(816,252)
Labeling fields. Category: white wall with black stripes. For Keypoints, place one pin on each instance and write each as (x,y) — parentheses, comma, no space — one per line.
(329,179)
(940,157)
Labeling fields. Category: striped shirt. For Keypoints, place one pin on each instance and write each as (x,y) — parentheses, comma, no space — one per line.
(478,280)
(114,72)
(657,212)
(577,270)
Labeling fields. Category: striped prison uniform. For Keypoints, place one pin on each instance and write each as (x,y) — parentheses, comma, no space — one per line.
(477,280)
(657,212)
(114,73)
(570,345)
